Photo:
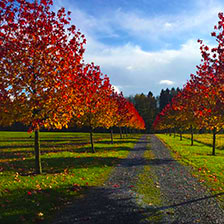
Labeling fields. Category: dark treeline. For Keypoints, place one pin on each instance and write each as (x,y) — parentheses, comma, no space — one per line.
(21,127)
(149,106)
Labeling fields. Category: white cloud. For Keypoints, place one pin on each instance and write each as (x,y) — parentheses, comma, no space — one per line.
(129,67)
(135,70)
(88,24)
(168,26)
(200,19)
(116,88)
(166,82)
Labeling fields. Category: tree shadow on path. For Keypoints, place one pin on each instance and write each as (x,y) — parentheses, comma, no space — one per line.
(108,206)
(190,201)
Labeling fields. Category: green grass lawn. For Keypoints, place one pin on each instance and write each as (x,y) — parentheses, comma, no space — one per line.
(207,168)
(69,170)
(207,139)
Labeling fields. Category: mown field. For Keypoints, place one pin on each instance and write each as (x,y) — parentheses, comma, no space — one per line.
(207,139)
(69,171)
(207,168)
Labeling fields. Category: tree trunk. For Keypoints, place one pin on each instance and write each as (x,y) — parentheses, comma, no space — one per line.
(169,132)
(38,167)
(120,132)
(213,143)
(91,140)
(192,136)
(111,135)
(126,131)
(180,135)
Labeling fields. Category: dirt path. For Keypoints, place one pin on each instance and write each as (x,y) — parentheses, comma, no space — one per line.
(190,201)
(184,199)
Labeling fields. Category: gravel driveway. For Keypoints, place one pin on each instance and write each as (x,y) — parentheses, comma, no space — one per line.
(184,199)
(190,201)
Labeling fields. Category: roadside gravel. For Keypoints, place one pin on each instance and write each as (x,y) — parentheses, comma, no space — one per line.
(189,200)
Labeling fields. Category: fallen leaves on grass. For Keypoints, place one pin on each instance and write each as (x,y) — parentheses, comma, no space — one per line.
(40,214)
(75,187)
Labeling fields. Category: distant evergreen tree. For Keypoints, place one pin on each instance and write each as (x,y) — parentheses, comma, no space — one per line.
(153,110)
(166,97)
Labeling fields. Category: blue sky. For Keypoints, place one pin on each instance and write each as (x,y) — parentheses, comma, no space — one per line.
(144,45)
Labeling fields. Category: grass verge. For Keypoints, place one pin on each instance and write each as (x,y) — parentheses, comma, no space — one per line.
(207,168)
(148,190)
(69,171)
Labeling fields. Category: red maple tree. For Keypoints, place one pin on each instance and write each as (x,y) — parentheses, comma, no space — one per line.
(39,56)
